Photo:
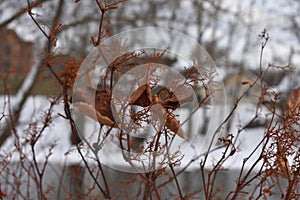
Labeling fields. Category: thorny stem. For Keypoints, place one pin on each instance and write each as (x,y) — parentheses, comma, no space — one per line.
(176,181)
(106,195)
(228,117)
(187,165)
(215,170)
(50,40)
(34,20)
(103,8)
(99,163)
(100,27)
(265,37)
(172,168)
(242,183)
(46,123)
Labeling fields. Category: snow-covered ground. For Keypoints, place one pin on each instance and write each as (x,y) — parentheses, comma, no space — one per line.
(58,133)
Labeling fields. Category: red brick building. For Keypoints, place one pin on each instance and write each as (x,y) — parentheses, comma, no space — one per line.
(16,58)
(15,54)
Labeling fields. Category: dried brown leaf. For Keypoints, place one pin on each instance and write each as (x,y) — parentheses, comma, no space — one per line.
(174,101)
(182,96)
(99,109)
(174,126)
(90,111)
(294,101)
(142,96)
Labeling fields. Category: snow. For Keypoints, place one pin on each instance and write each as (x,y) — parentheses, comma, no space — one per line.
(58,133)
(289,82)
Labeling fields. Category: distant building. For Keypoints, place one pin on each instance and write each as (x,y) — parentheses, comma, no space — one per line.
(16,58)
(238,83)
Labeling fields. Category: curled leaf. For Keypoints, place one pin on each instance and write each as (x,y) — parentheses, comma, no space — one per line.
(171,103)
(142,96)
(90,111)
(174,126)
(174,101)
(99,109)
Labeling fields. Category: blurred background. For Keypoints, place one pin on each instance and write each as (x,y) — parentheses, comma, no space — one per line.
(227,29)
